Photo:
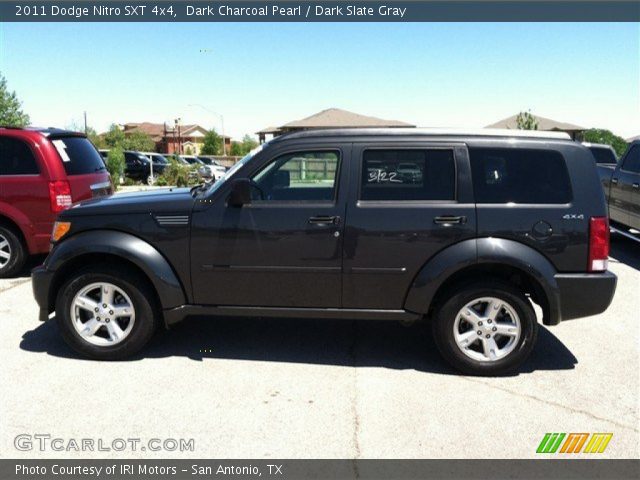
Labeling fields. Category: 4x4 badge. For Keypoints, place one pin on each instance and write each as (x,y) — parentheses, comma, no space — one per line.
(573,216)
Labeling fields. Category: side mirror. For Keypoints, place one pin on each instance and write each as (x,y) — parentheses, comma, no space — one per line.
(240,193)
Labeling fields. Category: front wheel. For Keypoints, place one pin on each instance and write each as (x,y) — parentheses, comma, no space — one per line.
(486,329)
(106,313)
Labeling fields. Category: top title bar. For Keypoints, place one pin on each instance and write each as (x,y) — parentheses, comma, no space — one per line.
(321,11)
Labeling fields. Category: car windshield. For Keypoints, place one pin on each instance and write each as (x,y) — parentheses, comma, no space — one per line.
(237,166)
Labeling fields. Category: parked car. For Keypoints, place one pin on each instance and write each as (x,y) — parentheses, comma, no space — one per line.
(214,170)
(622,189)
(499,220)
(42,172)
(603,154)
(139,167)
(156,158)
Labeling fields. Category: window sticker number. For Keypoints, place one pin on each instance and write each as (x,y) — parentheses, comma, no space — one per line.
(380,176)
(62,150)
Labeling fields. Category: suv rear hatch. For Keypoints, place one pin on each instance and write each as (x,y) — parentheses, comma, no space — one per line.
(87,174)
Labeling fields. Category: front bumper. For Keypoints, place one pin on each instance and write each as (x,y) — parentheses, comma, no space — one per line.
(41,283)
(585,294)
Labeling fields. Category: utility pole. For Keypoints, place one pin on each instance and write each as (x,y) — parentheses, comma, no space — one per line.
(85,123)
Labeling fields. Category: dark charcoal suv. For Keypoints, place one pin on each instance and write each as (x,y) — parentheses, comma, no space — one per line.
(322,224)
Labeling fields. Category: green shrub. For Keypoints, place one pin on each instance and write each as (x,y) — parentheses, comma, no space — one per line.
(115,165)
(174,174)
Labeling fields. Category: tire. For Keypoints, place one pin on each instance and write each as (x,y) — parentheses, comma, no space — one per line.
(132,295)
(13,253)
(464,319)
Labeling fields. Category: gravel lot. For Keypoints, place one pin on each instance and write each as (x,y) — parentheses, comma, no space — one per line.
(309,389)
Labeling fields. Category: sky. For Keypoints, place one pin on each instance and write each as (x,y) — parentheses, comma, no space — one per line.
(266,74)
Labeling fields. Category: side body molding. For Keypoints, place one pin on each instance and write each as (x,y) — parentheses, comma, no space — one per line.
(486,251)
(128,247)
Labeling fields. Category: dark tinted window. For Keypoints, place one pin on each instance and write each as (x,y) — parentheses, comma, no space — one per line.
(408,175)
(300,176)
(632,160)
(78,155)
(516,175)
(16,158)
(604,155)
(135,158)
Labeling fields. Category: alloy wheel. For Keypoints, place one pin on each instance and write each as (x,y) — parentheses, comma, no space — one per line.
(102,314)
(5,251)
(487,329)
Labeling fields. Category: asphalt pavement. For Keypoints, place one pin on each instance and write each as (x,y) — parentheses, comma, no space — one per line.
(282,388)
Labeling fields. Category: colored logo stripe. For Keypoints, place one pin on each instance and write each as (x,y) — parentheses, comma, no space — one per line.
(550,443)
(574,442)
(598,442)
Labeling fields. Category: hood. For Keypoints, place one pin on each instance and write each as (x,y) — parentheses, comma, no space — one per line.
(151,201)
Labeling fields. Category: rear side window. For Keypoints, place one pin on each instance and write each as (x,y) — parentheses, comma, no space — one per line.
(604,156)
(632,160)
(502,175)
(412,174)
(16,158)
(78,155)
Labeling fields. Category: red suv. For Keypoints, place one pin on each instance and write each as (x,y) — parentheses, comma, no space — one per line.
(42,172)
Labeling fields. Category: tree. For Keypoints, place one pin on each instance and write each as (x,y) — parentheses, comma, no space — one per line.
(138,141)
(236,149)
(11,113)
(600,135)
(526,121)
(212,143)
(240,149)
(96,139)
(248,143)
(114,137)
(115,165)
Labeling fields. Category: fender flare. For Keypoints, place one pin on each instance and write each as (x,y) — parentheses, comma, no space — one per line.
(129,247)
(480,251)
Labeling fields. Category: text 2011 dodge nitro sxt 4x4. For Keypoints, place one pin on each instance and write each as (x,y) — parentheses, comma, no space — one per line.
(465,230)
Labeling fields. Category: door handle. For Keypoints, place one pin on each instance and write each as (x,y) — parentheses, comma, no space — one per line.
(636,185)
(449,219)
(324,220)
(614,180)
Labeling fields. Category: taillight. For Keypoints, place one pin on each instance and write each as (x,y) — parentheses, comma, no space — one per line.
(59,195)
(598,244)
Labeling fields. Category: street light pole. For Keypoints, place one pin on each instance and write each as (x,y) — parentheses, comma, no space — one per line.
(224,143)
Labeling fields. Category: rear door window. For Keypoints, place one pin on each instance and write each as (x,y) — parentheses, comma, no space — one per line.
(78,155)
(502,175)
(409,174)
(16,158)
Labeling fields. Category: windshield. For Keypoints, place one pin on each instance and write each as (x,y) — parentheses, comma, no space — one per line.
(237,166)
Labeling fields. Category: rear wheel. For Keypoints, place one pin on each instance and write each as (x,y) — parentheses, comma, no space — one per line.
(486,329)
(106,313)
(13,254)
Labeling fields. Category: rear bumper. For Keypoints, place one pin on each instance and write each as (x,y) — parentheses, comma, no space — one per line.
(41,283)
(582,295)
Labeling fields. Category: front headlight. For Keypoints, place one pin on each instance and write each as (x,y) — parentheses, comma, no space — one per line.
(60,229)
